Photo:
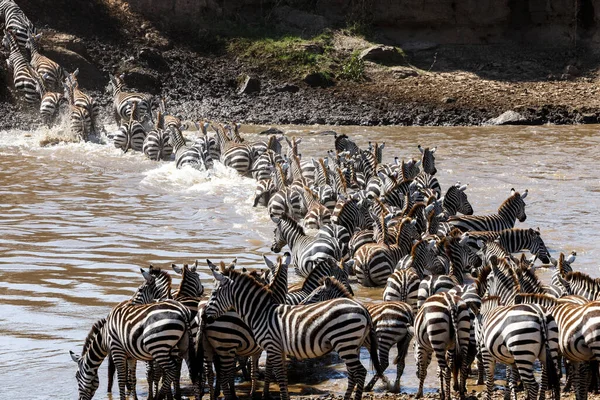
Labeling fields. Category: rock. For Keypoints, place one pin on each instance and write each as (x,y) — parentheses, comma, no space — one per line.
(287,87)
(400,72)
(508,118)
(248,84)
(571,70)
(89,76)
(271,131)
(153,58)
(448,100)
(51,40)
(299,21)
(318,79)
(143,80)
(380,53)
(589,118)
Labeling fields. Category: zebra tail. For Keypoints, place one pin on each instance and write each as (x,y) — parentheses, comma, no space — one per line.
(551,367)
(457,350)
(111,373)
(373,351)
(195,357)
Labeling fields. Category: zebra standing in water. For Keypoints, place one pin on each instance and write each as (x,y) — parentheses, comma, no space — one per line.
(131,134)
(50,71)
(185,155)
(443,324)
(123,101)
(50,102)
(306,250)
(23,75)
(156,145)
(82,100)
(278,328)
(16,21)
(509,211)
(137,332)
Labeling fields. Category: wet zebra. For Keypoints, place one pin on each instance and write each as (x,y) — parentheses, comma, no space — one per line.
(156,144)
(343,144)
(123,101)
(17,22)
(442,325)
(306,250)
(455,201)
(50,71)
(509,211)
(80,99)
(517,335)
(23,74)
(277,328)
(317,215)
(428,159)
(50,102)
(339,234)
(185,155)
(131,134)
(392,320)
(137,332)
(562,267)
(427,184)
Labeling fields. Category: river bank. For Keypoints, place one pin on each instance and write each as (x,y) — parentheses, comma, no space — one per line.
(326,77)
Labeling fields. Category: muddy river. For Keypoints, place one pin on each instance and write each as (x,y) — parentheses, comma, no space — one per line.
(78,220)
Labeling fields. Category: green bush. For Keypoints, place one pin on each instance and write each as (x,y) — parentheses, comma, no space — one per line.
(354,68)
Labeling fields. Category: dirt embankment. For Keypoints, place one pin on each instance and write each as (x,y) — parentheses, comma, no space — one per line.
(317,79)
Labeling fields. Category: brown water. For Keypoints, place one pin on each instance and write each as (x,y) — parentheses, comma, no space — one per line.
(78,220)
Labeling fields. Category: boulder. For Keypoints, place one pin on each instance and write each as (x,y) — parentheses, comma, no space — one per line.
(143,80)
(89,76)
(248,84)
(400,72)
(380,54)
(508,118)
(318,79)
(287,87)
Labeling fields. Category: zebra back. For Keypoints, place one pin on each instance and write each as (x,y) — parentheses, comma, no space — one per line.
(330,288)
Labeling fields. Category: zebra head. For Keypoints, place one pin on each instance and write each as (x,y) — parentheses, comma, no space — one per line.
(517,204)
(190,280)
(93,353)
(330,288)
(456,201)
(221,298)
(428,159)
(283,225)
(156,287)
(537,246)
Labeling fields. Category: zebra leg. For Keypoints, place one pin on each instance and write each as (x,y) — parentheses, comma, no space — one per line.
(490,368)
(511,380)
(268,375)
(277,362)
(356,372)
(177,379)
(254,375)
(168,365)
(120,362)
(225,375)
(111,373)
(581,378)
(384,360)
(131,378)
(402,347)
(525,368)
(423,358)
(480,369)
(210,378)
(151,377)
(568,374)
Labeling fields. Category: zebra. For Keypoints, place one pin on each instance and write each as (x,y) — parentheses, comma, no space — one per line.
(131,134)
(443,324)
(322,269)
(80,99)
(50,71)
(393,322)
(403,284)
(137,332)
(428,159)
(562,267)
(185,155)
(343,144)
(278,327)
(455,201)
(79,117)
(426,183)
(317,214)
(530,283)
(265,188)
(306,250)
(23,73)
(517,335)
(156,144)
(123,101)
(50,102)
(17,22)
(338,234)
(261,167)
(509,211)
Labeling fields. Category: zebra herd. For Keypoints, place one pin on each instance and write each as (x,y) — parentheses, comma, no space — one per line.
(451,285)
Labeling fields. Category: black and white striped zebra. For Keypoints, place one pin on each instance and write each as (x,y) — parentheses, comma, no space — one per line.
(156,331)
(123,101)
(51,72)
(277,328)
(80,99)
(509,211)
(156,144)
(343,144)
(186,155)
(443,325)
(305,249)
(562,267)
(428,159)
(317,215)
(50,102)
(339,234)
(23,74)
(455,201)
(322,269)
(16,21)
(517,335)
(131,134)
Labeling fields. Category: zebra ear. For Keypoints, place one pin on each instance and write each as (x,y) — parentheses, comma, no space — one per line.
(275,219)
(149,278)
(211,266)
(525,193)
(463,239)
(420,149)
(269,263)
(177,269)
(463,187)
(327,281)
(433,149)
(232,264)
(219,276)
(195,267)
(287,258)
(76,72)
(74,356)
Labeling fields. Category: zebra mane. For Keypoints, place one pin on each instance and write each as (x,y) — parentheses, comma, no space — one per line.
(525,274)
(490,302)
(578,276)
(160,273)
(322,268)
(286,219)
(481,283)
(535,298)
(335,285)
(506,277)
(96,328)
(417,207)
(240,276)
